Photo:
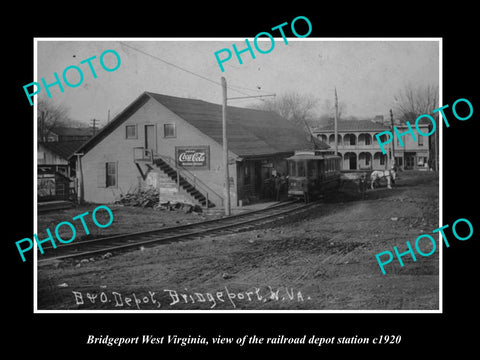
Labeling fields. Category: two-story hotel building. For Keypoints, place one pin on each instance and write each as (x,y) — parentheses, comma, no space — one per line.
(359,148)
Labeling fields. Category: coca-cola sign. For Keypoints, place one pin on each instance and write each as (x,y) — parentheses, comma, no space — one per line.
(193,157)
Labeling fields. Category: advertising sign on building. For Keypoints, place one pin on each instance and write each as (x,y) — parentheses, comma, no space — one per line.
(193,157)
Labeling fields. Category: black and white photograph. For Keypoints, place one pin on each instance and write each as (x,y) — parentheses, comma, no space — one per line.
(146,128)
(231,180)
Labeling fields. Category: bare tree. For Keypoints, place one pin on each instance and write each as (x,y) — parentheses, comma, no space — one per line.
(292,106)
(48,117)
(412,102)
(328,109)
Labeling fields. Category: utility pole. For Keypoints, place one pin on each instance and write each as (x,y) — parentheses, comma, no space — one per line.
(225,147)
(94,126)
(224,131)
(392,157)
(336,122)
(79,176)
(436,138)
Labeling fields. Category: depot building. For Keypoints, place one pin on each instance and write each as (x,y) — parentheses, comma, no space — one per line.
(174,145)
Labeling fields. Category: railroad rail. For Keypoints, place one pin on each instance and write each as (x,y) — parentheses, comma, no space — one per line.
(225,225)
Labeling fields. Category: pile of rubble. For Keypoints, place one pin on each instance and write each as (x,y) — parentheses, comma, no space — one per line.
(141,198)
(150,198)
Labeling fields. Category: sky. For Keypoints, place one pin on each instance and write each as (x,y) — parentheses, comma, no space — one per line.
(366,74)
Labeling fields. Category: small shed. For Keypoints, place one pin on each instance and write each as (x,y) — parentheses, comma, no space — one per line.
(55,171)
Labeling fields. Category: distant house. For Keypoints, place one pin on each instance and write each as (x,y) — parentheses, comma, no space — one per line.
(56,169)
(359,148)
(58,155)
(175,145)
(63,134)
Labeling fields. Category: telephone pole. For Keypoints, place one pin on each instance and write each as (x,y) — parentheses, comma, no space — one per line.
(336,122)
(79,177)
(225,147)
(224,140)
(94,126)
(392,157)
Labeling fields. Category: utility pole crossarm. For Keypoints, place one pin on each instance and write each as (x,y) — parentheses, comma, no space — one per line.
(250,97)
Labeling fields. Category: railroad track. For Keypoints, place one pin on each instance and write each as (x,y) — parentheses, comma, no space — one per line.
(225,225)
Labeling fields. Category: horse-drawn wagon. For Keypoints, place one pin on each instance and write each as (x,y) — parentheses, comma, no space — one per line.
(358,178)
(362,178)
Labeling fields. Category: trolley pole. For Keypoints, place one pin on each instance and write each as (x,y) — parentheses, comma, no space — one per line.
(225,147)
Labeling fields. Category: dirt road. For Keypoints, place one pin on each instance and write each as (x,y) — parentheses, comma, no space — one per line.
(323,261)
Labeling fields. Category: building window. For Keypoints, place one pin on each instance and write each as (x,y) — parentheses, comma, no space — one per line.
(382,159)
(111,171)
(351,140)
(62,170)
(422,161)
(131,131)
(169,130)
(420,140)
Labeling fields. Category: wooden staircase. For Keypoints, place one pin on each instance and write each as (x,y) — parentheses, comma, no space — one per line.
(176,181)
(182,182)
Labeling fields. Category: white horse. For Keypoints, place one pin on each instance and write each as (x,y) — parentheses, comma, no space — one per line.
(380,174)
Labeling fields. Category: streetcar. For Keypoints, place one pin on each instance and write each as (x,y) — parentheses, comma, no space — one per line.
(312,173)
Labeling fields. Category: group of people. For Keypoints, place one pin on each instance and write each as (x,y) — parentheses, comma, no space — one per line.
(275,186)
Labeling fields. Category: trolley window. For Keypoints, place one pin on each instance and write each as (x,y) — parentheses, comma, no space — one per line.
(301,168)
(293,168)
(312,169)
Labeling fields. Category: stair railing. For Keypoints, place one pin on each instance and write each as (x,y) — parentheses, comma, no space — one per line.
(197,184)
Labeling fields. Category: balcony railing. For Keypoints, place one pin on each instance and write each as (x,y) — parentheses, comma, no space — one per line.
(142,154)
(358,146)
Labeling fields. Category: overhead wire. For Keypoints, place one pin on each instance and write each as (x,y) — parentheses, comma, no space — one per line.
(231,87)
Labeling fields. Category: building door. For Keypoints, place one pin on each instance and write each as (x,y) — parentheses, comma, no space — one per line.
(150,138)
(352,161)
(409,160)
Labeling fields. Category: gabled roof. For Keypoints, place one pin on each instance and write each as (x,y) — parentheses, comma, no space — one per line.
(64,149)
(250,132)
